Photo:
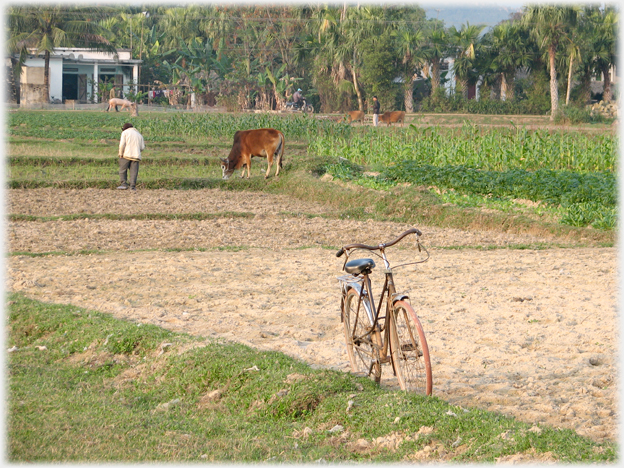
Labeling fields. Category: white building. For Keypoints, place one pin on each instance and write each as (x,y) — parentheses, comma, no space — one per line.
(75,74)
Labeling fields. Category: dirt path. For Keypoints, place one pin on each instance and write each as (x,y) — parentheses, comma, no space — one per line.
(528,333)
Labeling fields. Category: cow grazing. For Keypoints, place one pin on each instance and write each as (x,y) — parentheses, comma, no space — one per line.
(124,103)
(263,142)
(391,117)
(353,116)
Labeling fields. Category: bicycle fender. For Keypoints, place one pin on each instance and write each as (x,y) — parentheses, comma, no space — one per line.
(360,290)
(399,297)
(357,286)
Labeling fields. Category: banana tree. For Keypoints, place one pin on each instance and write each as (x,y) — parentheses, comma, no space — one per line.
(174,72)
(279,80)
(263,101)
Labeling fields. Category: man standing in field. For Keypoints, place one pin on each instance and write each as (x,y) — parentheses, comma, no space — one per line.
(375,111)
(130,148)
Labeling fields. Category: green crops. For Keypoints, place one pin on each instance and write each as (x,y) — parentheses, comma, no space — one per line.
(490,149)
(168,126)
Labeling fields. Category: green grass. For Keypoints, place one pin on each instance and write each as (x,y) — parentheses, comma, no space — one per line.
(84,387)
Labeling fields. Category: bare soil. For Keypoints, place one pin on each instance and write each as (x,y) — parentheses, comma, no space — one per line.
(527,333)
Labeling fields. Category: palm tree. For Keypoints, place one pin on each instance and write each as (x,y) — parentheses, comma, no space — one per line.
(605,23)
(43,28)
(586,60)
(436,50)
(510,52)
(464,40)
(550,25)
(408,45)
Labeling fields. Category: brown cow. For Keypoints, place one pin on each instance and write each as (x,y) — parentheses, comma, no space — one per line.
(263,142)
(391,117)
(124,103)
(353,116)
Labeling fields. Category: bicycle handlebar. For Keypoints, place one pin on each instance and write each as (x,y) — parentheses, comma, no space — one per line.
(380,246)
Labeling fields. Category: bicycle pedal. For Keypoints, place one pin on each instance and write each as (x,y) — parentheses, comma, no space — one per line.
(385,360)
(407,347)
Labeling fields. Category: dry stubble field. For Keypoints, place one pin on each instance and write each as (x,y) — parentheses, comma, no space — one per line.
(527,333)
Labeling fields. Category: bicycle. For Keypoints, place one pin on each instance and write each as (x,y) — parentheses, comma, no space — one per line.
(374,339)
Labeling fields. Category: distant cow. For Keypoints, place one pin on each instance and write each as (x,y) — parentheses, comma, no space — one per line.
(391,117)
(353,116)
(263,142)
(124,103)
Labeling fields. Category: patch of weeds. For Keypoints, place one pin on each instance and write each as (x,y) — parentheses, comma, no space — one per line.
(345,170)
(355,213)
(300,214)
(232,248)
(594,214)
(55,253)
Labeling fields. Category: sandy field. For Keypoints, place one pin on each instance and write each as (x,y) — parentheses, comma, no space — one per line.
(527,333)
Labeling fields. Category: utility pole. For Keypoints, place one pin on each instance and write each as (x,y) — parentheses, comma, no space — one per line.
(145,15)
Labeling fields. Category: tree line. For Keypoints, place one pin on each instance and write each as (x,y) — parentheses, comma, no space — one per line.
(256,56)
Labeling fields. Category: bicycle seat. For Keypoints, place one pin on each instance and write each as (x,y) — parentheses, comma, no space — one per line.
(361,265)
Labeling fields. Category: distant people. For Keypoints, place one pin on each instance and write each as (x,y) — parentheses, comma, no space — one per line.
(375,111)
(130,147)
(297,97)
(112,93)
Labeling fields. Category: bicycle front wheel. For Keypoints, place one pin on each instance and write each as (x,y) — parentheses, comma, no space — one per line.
(409,350)
(363,345)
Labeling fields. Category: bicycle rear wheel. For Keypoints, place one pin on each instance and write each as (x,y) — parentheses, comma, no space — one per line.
(409,350)
(362,347)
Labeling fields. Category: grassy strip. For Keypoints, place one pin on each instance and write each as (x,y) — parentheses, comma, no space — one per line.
(111,183)
(86,387)
(67,253)
(406,204)
(238,248)
(46,161)
(139,216)
(531,246)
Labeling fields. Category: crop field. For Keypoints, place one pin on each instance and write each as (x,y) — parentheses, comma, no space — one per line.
(567,175)
(570,174)
(518,300)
